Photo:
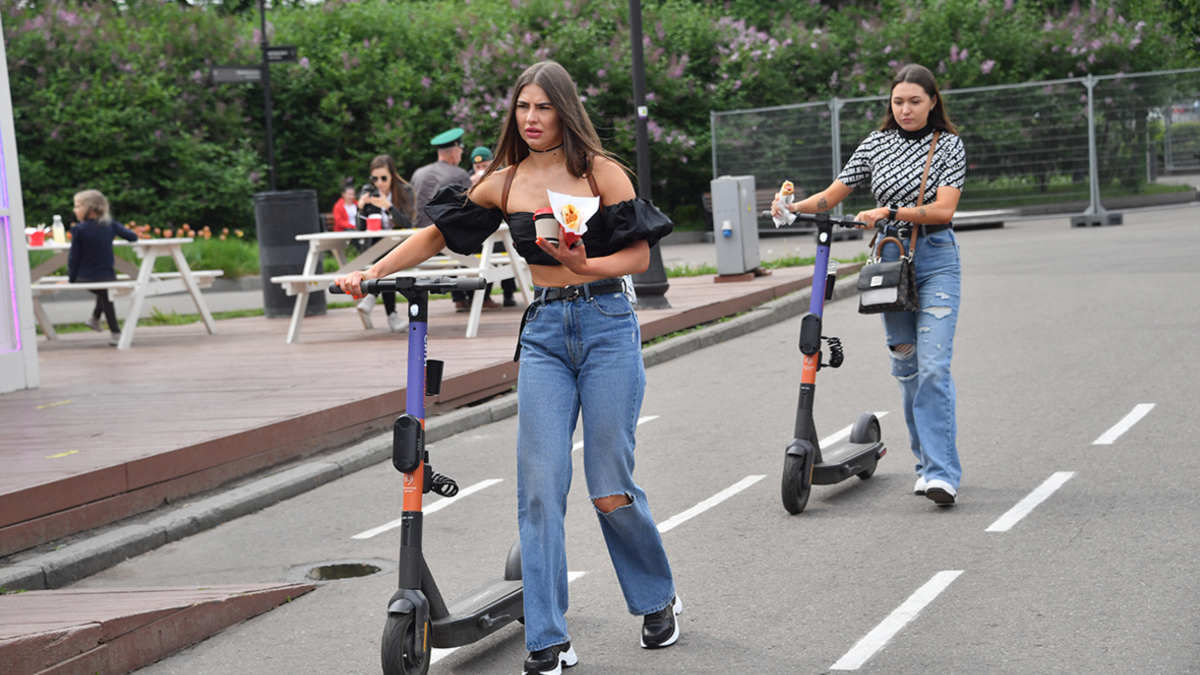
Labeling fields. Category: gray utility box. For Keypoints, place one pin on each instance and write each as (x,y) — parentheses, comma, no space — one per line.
(735,224)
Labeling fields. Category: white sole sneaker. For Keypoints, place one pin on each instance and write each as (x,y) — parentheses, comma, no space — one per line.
(565,660)
(940,492)
(678,608)
(919,488)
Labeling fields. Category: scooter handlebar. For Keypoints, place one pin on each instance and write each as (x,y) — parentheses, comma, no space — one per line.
(412,284)
(841,221)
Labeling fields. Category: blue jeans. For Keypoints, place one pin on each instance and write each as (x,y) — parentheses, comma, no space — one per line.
(582,355)
(924,372)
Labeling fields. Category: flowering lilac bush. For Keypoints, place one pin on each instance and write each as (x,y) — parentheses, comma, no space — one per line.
(383,77)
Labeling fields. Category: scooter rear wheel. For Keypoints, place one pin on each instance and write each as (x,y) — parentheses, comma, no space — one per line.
(797,483)
(405,649)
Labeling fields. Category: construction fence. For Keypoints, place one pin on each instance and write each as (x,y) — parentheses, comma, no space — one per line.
(1063,146)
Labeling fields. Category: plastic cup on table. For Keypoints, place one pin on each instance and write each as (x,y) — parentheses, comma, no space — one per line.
(37,238)
(375,223)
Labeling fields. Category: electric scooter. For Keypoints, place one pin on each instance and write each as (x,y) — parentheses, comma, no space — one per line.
(418,618)
(806,463)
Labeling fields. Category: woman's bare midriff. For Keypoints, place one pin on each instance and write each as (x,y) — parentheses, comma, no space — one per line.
(557,276)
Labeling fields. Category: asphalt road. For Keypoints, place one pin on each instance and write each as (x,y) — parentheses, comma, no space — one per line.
(1063,334)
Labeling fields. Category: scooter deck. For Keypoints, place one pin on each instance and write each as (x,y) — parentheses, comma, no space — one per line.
(845,460)
(479,612)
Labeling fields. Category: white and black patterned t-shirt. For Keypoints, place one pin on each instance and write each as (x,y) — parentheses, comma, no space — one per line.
(894,160)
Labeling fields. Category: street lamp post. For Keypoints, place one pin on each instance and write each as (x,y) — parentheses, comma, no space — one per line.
(651,285)
(266,85)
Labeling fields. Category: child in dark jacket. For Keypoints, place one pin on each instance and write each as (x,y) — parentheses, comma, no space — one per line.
(91,257)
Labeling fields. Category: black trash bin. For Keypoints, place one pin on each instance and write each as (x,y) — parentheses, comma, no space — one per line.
(279,217)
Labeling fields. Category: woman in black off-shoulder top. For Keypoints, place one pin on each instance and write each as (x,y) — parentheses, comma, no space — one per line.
(580,351)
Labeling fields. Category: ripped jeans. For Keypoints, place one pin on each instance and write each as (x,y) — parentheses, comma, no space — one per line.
(921,344)
(582,355)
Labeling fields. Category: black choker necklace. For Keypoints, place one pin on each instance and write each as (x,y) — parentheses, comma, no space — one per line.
(542,152)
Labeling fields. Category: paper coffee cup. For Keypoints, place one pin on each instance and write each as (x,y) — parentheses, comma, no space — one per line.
(37,238)
(375,223)
(545,225)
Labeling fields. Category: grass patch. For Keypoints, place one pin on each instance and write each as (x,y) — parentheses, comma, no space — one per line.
(796,260)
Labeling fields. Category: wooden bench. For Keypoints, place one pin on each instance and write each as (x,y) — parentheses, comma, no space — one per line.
(489,265)
(159,284)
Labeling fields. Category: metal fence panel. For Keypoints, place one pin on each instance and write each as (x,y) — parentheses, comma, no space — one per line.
(1027,144)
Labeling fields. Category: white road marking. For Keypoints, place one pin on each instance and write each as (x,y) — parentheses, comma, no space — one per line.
(640,422)
(432,508)
(1023,507)
(844,433)
(439,654)
(707,504)
(887,629)
(1139,411)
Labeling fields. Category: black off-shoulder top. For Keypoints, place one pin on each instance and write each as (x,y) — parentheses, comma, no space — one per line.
(465,225)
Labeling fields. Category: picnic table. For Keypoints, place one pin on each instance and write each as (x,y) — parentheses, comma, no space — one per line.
(487,265)
(138,281)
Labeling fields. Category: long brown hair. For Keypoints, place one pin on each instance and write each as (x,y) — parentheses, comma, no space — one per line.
(580,141)
(918,74)
(401,199)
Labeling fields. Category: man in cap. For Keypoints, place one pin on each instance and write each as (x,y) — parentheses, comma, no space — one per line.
(481,158)
(427,180)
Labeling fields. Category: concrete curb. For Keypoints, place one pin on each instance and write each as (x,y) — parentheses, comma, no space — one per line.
(76,561)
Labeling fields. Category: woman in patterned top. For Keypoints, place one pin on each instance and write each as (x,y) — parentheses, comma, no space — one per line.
(580,351)
(921,342)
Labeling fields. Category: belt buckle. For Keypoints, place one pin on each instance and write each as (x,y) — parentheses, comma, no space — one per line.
(572,293)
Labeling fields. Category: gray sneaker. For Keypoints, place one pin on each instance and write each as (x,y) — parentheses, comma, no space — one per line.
(396,322)
(366,305)
(115,340)
(94,324)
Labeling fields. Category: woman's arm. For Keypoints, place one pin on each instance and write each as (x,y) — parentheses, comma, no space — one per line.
(415,250)
(124,232)
(822,201)
(937,212)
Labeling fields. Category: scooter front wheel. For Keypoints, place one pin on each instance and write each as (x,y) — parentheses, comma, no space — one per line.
(405,648)
(797,483)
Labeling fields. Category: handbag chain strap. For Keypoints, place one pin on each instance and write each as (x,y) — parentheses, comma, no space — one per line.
(912,244)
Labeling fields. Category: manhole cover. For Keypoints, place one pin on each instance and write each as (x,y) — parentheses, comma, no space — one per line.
(342,571)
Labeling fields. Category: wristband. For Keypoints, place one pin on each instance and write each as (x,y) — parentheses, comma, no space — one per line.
(893,210)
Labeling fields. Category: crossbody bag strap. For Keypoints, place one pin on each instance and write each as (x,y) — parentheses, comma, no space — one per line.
(912,244)
(508,179)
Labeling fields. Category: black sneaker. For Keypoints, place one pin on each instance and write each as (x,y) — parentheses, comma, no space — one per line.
(661,629)
(509,300)
(551,660)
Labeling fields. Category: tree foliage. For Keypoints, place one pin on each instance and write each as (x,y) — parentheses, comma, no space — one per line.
(118,98)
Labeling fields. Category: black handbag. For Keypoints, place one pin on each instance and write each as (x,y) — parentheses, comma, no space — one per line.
(888,286)
(892,286)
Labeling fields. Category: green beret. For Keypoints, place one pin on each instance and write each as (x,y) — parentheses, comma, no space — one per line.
(480,154)
(447,139)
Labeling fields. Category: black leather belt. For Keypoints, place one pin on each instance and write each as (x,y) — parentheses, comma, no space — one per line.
(568,293)
(580,291)
(926,229)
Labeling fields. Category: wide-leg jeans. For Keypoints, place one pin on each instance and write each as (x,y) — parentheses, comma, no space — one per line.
(926,386)
(582,355)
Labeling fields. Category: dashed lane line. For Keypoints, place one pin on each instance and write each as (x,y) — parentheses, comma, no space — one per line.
(438,654)
(1139,411)
(707,504)
(640,422)
(887,629)
(431,508)
(1023,507)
